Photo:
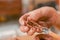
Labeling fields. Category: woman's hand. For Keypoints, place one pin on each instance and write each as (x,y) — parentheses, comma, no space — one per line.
(44,16)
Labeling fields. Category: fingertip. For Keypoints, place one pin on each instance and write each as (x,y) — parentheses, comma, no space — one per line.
(31,31)
(38,30)
(24,28)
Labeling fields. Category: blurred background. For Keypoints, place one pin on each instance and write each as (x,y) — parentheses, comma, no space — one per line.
(11,10)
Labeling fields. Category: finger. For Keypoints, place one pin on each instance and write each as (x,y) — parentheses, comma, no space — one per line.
(36,24)
(36,38)
(32,31)
(35,15)
(39,30)
(29,26)
(24,28)
(42,23)
(23,19)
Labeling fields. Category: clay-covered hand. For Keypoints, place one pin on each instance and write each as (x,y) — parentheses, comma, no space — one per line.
(44,16)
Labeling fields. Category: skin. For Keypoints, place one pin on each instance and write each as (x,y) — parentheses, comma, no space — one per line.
(44,37)
(45,16)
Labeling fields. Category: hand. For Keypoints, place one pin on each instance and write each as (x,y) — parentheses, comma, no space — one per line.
(44,37)
(42,16)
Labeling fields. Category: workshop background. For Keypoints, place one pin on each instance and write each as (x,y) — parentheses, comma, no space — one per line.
(11,10)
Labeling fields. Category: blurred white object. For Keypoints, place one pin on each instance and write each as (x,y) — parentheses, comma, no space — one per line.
(7,34)
(10,30)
